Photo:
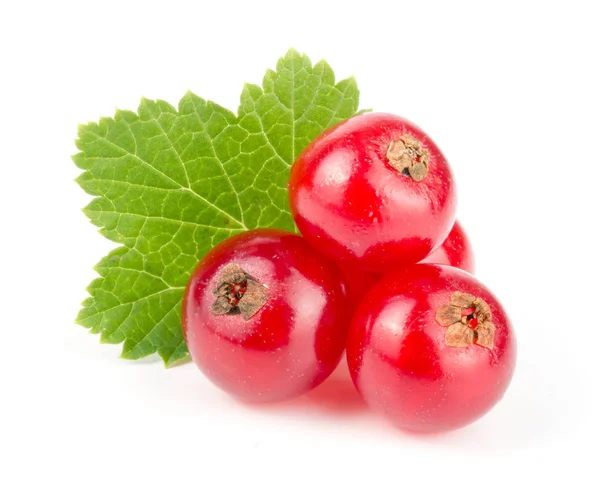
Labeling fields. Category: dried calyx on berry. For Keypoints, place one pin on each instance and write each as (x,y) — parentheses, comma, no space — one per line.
(468,319)
(238,293)
(407,156)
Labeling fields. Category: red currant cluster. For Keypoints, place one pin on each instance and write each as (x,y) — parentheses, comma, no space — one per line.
(382,270)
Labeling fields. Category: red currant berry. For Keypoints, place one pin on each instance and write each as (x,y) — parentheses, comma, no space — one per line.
(431,348)
(357,283)
(265,316)
(373,192)
(455,251)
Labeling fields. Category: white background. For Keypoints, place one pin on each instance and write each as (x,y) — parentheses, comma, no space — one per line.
(509,90)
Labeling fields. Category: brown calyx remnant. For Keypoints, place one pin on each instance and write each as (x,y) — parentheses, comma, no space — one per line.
(407,155)
(238,293)
(468,319)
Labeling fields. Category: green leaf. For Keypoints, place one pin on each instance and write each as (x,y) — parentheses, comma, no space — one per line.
(171,183)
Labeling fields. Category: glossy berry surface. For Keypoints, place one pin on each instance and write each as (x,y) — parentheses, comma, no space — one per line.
(264,316)
(373,192)
(357,283)
(455,251)
(431,348)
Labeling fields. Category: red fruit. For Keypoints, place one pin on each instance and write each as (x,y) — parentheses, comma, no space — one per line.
(373,192)
(265,316)
(455,251)
(357,283)
(431,348)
